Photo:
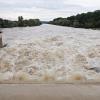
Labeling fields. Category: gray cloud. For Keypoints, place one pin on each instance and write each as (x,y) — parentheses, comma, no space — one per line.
(45,9)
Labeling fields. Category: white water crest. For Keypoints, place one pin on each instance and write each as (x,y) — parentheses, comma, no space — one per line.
(50,53)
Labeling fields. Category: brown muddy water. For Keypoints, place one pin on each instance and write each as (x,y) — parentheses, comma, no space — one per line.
(50,53)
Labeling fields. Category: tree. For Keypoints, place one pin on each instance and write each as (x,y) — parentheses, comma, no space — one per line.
(84,20)
(76,23)
(20,21)
(1,22)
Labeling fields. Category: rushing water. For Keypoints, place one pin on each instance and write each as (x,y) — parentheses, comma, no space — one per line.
(50,53)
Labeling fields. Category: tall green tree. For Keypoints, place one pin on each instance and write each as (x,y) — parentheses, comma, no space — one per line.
(20,21)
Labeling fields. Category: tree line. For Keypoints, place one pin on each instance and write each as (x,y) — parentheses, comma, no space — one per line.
(84,20)
(20,23)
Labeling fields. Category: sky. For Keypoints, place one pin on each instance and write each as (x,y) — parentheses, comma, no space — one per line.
(45,9)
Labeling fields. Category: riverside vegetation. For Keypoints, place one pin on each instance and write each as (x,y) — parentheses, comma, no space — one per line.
(84,20)
(20,23)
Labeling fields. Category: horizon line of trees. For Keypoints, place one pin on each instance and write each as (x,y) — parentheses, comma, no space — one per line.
(84,20)
(20,23)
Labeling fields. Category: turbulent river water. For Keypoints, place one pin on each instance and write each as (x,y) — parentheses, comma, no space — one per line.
(50,53)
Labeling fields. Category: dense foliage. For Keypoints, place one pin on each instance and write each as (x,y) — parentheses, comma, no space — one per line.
(20,23)
(84,20)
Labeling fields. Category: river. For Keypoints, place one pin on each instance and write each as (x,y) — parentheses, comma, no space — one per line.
(50,53)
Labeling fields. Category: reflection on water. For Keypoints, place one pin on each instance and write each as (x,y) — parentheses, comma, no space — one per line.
(50,53)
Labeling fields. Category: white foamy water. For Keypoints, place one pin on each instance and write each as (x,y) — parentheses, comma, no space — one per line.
(50,53)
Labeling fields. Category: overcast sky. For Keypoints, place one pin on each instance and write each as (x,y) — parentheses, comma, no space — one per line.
(45,9)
